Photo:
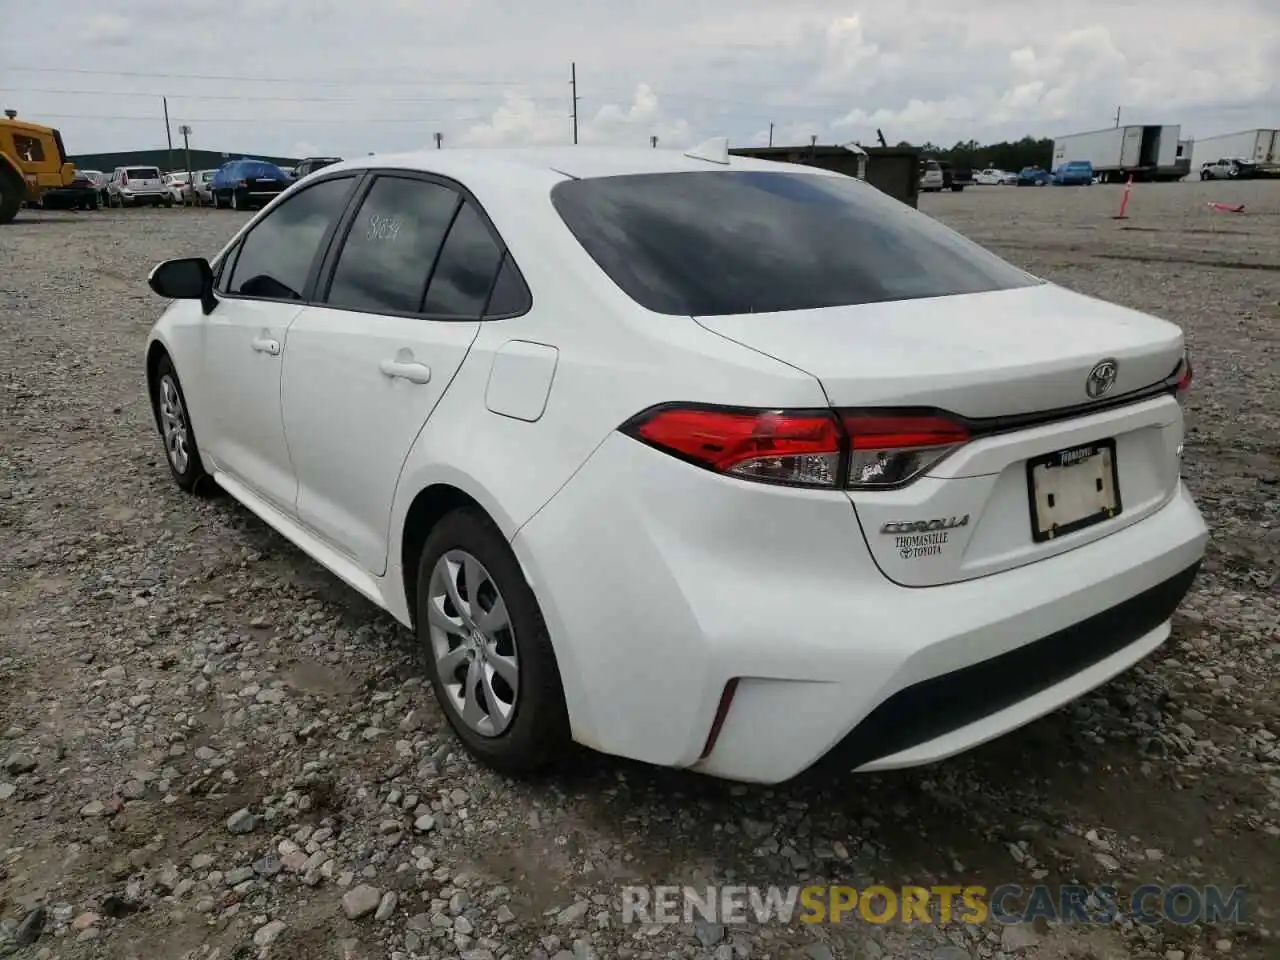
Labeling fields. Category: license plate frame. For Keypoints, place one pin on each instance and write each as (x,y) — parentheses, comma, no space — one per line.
(1098,459)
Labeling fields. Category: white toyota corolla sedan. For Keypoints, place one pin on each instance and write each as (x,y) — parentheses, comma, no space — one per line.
(705,461)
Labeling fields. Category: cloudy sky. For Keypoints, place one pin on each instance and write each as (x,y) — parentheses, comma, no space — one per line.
(299,77)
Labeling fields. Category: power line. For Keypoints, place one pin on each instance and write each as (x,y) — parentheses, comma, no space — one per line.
(266,99)
(265,120)
(313,81)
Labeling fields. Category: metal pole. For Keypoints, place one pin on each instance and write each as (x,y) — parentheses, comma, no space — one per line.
(168,131)
(771,133)
(186,149)
(1117,116)
(653,142)
(573,85)
(439,140)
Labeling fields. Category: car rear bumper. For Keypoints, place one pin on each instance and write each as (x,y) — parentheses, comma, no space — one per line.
(663,585)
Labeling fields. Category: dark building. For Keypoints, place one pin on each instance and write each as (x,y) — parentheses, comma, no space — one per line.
(894,170)
(200,159)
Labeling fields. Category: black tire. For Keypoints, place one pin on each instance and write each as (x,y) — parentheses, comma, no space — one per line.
(193,477)
(168,202)
(11,195)
(538,733)
(237,203)
(957,188)
(216,204)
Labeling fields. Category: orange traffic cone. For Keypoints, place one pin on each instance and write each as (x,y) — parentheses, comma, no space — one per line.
(1124,200)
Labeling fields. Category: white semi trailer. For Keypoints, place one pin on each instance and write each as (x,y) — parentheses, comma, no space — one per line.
(1145,152)
(1260,145)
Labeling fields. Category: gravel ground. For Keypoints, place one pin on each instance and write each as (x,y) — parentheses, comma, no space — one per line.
(211,748)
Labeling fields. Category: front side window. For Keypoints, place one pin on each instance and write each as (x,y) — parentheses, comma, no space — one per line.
(275,258)
(738,241)
(28,148)
(392,244)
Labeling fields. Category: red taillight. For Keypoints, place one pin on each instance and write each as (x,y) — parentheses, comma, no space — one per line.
(809,448)
(1183,373)
(776,446)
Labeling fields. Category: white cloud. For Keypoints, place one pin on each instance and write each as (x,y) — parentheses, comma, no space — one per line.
(521,120)
(387,74)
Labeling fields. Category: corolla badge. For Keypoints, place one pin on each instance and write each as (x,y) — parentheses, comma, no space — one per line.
(1101,378)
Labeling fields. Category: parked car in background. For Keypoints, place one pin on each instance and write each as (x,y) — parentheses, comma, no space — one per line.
(312,164)
(1073,173)
(202,187)
(246,184)
(138,186)
(949,553)
(80,194)
(931,178)
(99,181)
(995,177)
(1228,168)
(955,178)
(289,172)
(1033,177)
(179,184)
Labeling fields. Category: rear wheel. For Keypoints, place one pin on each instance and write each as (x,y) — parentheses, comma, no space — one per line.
(490,659)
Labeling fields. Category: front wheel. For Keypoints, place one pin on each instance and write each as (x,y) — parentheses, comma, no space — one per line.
(490,658)
(181,450)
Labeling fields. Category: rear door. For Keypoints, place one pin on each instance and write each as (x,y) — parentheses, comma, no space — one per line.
(368,364)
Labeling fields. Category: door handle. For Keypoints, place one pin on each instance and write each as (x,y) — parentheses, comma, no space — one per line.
(406,370)
(265,345)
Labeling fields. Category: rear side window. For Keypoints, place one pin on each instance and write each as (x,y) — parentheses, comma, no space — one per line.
(389,251)
(466,269)
(510,296)
(738,241)
(275,259)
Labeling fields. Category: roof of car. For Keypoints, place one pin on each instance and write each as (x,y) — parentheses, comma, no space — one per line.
(575,162)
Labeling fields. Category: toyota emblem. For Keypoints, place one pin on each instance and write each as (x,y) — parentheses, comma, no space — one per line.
(1101,379)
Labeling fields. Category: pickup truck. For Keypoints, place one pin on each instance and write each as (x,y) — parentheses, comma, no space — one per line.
(955,178)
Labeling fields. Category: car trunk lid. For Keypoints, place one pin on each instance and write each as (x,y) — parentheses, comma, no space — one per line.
(1047,466)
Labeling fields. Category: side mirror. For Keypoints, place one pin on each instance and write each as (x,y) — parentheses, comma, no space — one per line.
(190,278)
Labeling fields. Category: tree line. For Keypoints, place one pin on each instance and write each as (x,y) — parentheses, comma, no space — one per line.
(1008,155)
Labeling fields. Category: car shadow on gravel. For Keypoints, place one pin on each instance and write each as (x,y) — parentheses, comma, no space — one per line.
(1044,804)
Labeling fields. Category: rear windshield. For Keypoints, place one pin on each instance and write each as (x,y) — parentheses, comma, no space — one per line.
(729,242)
(143,173)
(259,169)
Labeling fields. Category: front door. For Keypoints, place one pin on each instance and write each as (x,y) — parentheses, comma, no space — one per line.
(367,366)
(246,337)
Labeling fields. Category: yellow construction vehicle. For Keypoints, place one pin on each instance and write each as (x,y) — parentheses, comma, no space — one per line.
(32,160)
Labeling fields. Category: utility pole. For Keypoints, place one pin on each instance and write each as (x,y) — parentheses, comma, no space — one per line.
(771,133)
(573,87)
(653,142)
(439,140)
(186,149)
(1117,116)
(168,131)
